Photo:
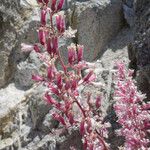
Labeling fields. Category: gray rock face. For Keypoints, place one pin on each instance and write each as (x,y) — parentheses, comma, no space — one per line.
(25,70)
(97,22)
(15,21)
(139,51)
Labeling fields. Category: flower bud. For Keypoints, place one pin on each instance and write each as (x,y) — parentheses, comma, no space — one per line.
(41,36)
(59,81)
(74,84)
(67,85)
(60,23)
(80,52)
(89,77)
(98,102)
(36,48)
(89,125)
(49,99)
(50,72)
(59,118)
(54,45)
(37,78)
(54,90)
(60,5)
(43,1)
(49,47)
(53,5)
(43,17)
(71,54)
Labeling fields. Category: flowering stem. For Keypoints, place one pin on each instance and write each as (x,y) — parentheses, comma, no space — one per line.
(102,141)
(82,110)
(62,63)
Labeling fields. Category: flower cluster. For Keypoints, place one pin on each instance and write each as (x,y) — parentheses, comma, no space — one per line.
(133,114)
(64,85)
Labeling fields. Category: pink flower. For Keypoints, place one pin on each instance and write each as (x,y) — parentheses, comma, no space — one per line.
(43,1)
(54,90)
(59,118)
(53,5)
(89,77)
(89,125)
(43,17)
(60,4)
(37,78)
(67,85)
(36,48)
(59,81)
(74,84)
(54,45)
(50,72)
(71,54)
(49,47)
(46,1)
(80,52)
(98,102)
(130,112)
(41,35)
(60,23)
(50,100)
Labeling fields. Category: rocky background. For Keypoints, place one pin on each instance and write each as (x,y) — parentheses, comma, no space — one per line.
(110,30)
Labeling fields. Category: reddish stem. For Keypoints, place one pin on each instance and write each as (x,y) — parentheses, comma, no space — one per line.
(102,141)
(82,110)
(62,63)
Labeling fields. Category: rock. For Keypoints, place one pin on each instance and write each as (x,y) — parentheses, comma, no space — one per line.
(129,15)
(38,108)
(17,24)
(97,23)
(47,143)
(25,70)
(6,68)
(139,51)
(73,139)
(10,98)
